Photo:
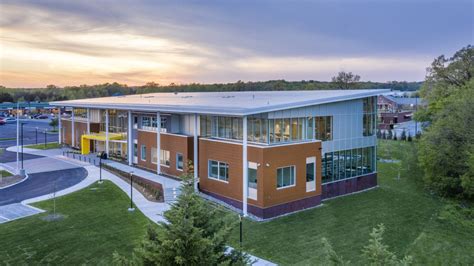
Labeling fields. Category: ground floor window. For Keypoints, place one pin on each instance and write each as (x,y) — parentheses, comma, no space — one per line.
(179,161)
(165,157)
(252,177)
(345,164)
(218,170)
(310,171)
(286,177)
(143,153)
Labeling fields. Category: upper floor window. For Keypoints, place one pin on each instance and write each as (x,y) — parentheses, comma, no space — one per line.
(369,116)
(323,130)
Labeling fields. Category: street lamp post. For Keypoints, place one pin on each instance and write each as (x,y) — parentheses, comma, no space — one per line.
(240,222)
(36,135)
(131,209)
(45,139)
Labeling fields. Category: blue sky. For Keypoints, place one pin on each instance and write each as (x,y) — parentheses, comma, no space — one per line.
(134,42)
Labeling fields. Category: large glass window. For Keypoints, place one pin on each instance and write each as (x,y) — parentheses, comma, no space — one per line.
(286,177)
(218,170)
(310,171)
(347,163)
(323,127)
(252,177)
(369,116)
(309,127)
(286,130)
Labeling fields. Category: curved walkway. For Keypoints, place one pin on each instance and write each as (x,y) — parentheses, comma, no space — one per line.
(152,210)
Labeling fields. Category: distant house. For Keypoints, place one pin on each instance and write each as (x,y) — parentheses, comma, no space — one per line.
(393,110)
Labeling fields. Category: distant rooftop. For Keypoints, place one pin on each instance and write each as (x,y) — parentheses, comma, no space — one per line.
(224,103)
(405,100)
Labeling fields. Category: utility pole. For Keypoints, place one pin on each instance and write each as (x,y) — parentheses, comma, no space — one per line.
(131,209)
(36,135)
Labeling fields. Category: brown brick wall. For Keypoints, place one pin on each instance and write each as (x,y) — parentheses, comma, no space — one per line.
(80,128)
(275,157)
(173,143)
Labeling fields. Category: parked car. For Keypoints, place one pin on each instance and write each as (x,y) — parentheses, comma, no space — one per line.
(42,117)
(2,122)
(9,120)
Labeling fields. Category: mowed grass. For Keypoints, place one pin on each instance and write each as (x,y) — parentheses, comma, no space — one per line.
(96,224)
(5,173)
(433,231)
(50,145)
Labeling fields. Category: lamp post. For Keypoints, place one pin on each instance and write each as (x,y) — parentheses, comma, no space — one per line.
(102,155)
(36,135)
(131,209)
(45,139)
(240,223)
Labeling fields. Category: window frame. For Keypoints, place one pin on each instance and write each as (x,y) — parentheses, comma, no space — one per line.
(218,178)
(178,154)
(143,151)
(294,176)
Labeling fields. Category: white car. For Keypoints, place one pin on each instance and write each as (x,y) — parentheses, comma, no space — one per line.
(9,120)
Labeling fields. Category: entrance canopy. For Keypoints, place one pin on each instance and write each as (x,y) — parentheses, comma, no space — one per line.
(86,139)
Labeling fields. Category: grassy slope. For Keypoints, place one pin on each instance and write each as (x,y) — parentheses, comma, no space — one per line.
(97,224)
(50,145)
(5,173)
(410,215)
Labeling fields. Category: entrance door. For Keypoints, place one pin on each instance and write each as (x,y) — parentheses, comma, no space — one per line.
(252,180)
(310,174)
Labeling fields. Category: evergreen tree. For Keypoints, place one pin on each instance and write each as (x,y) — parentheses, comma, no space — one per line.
(330,256)
(195,234)
(377,253)
(390,134)
(409,138)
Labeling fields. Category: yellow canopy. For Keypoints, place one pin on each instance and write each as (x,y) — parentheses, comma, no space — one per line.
(86,138)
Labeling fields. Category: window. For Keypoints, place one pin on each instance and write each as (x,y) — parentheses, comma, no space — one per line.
(218,170)
(143,153)
(252,177)
(153,155)
(347,163)
(310,128)
(179,161)
(310,171)
(285,177)
(323,127)
(369,116)
(165,157)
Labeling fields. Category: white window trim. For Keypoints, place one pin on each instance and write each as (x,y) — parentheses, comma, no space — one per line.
(290,186)
(161,157)
(218,167)
(312,160)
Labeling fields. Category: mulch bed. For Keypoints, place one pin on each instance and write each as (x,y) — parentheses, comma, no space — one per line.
(6,181)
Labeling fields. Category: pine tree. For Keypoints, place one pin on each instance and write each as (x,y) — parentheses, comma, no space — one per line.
(377,253)
(330,256)
(390,134)
(195,234)
(409,138)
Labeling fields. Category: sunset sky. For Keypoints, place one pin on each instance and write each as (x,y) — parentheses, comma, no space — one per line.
(134,42)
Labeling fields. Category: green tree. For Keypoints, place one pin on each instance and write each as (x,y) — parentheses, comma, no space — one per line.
(345,80)
(195,234)
(377,253)
(446,147)
(54,123)
(330,256)
(404,135)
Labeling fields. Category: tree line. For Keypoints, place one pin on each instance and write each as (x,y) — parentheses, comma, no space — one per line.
(343,80)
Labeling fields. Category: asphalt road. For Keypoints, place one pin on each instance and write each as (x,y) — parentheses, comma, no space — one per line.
(29,132)
(41,184)
(9,156)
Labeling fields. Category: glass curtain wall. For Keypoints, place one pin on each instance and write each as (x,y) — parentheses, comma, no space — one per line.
(369,116)
(345,164)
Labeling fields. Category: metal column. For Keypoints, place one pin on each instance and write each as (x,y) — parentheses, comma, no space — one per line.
(130,139)
(196,154)
(73,133)
(158,143)
(244,167)
(107,132)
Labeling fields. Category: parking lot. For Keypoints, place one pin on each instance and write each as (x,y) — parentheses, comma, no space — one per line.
(33,131)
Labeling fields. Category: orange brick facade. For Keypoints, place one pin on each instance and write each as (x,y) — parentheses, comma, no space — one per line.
(268,159)
(170,142)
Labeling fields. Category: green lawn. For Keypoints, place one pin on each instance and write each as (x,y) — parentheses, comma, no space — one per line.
(97,223)
(5,173)
(1,139)
(416,223)
(50,145)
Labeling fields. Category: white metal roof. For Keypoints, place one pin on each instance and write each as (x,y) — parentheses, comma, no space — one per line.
(223,103)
